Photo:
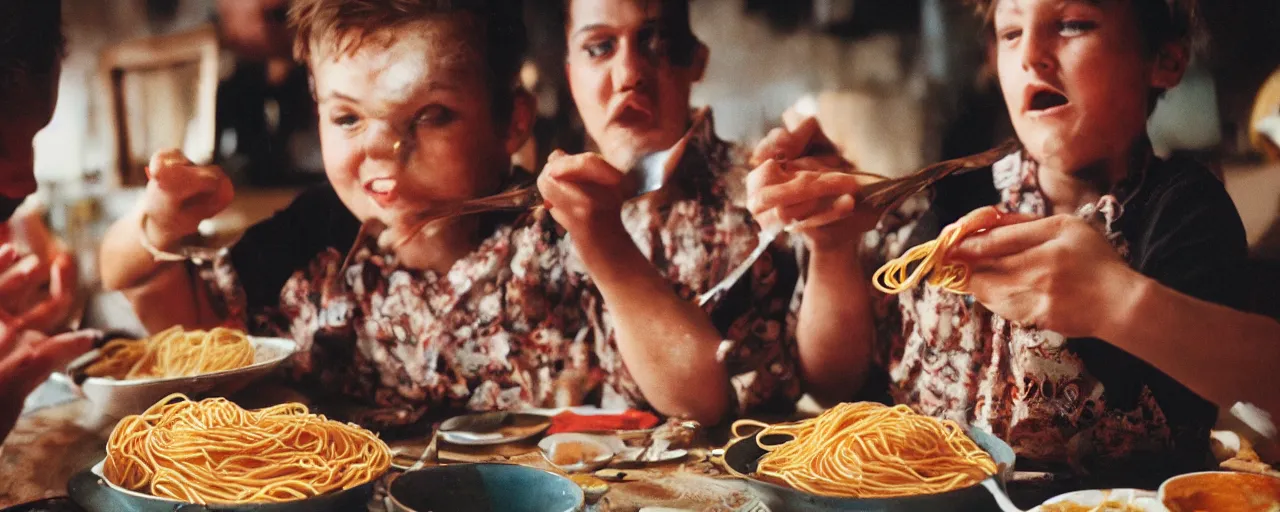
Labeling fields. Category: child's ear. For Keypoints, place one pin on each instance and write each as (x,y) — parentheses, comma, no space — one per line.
(523,109)
(1169,66)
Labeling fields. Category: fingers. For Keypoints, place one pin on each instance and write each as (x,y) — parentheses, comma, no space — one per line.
(583,168)
(806,138)
(8,256)
(36,356)
(1010,236)
(22,276)
(47,315)
(804,186)
(839,209)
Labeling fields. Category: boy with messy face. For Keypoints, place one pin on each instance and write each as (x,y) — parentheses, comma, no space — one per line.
(1079,78)
(419,107)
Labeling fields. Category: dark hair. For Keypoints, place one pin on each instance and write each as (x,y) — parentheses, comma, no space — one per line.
(676,26)
(1160,21)
(31,41)
(342,25)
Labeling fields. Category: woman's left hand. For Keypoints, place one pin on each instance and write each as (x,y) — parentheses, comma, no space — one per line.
(585,195)
(1057,273)
(37,285)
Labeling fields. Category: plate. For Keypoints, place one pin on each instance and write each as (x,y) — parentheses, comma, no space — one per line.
(1139,500)
(515,427)
(742,455)
(121,398)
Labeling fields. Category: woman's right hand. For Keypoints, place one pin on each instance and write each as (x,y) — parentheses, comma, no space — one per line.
(800,180)
(180,195)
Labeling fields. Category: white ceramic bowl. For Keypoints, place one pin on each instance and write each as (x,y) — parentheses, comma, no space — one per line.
(1145,501)
(605,447)
(120,398)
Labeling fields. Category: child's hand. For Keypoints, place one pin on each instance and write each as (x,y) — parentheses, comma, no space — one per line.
(814,200)
(179,195)
(38,275)
(585,195)
(1057,273)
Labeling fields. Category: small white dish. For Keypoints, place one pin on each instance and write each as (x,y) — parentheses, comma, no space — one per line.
(1144,501)
(119,398)
(513,427)
(576,453)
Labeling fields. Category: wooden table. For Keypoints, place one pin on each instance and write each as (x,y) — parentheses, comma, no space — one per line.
(62,435)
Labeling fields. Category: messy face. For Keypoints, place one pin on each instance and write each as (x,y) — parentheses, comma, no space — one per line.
(31,105)
(1076,78)
(407,119)
(632,98)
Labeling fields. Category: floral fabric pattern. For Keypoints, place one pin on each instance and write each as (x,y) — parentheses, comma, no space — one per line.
(519,322)
(948,356)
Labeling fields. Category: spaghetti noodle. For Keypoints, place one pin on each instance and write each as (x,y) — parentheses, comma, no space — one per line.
(868,450)
(174,353)
(898,276)
(213,451)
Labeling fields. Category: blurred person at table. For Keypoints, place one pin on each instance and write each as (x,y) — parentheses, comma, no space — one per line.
(631,66)
(37,274)
(1080,78)
(419,106)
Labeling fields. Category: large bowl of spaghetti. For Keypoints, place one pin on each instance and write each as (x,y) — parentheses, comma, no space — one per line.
(127,376)
(213,455)
(869,457)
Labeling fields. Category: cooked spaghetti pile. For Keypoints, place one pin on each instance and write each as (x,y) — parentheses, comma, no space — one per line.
(174,353)
(868,450)
(212,451)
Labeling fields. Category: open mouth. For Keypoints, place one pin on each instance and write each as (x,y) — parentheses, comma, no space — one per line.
(1045,100)
(382,190)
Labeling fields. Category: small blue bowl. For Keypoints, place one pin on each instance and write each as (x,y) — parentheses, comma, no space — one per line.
(485,488)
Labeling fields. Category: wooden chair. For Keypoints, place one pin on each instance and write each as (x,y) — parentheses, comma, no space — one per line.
(158,65)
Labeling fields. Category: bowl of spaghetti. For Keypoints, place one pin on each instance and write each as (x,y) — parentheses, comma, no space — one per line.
(127,376)
(869,457)
(182,454)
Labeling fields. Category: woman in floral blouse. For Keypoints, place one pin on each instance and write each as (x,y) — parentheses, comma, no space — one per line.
(481,313)
(1080,79)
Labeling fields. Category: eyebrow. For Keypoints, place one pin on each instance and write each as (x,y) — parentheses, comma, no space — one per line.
(648,23)
(431,86)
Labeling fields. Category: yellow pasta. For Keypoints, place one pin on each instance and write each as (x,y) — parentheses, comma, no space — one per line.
(213,451)
(174,353)
(868,450)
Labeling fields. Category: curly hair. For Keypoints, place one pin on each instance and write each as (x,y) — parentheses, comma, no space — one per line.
(342,26)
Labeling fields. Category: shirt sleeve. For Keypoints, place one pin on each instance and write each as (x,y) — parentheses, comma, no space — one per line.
(247,278)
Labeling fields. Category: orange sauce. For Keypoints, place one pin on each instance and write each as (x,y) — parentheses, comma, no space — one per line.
(1236,492)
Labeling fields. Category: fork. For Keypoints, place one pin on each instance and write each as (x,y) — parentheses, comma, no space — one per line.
(877,197)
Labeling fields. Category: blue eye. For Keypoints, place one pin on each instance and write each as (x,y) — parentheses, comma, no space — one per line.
(345,120)
(599,49)
(1075,28)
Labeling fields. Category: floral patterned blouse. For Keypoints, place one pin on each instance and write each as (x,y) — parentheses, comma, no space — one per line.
(1075,407)
(516,323)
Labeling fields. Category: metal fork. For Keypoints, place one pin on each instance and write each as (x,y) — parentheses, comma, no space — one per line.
(877,197)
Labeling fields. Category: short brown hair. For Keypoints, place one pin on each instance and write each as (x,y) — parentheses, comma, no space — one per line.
(1160,21)
(31,40)
(342,25)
